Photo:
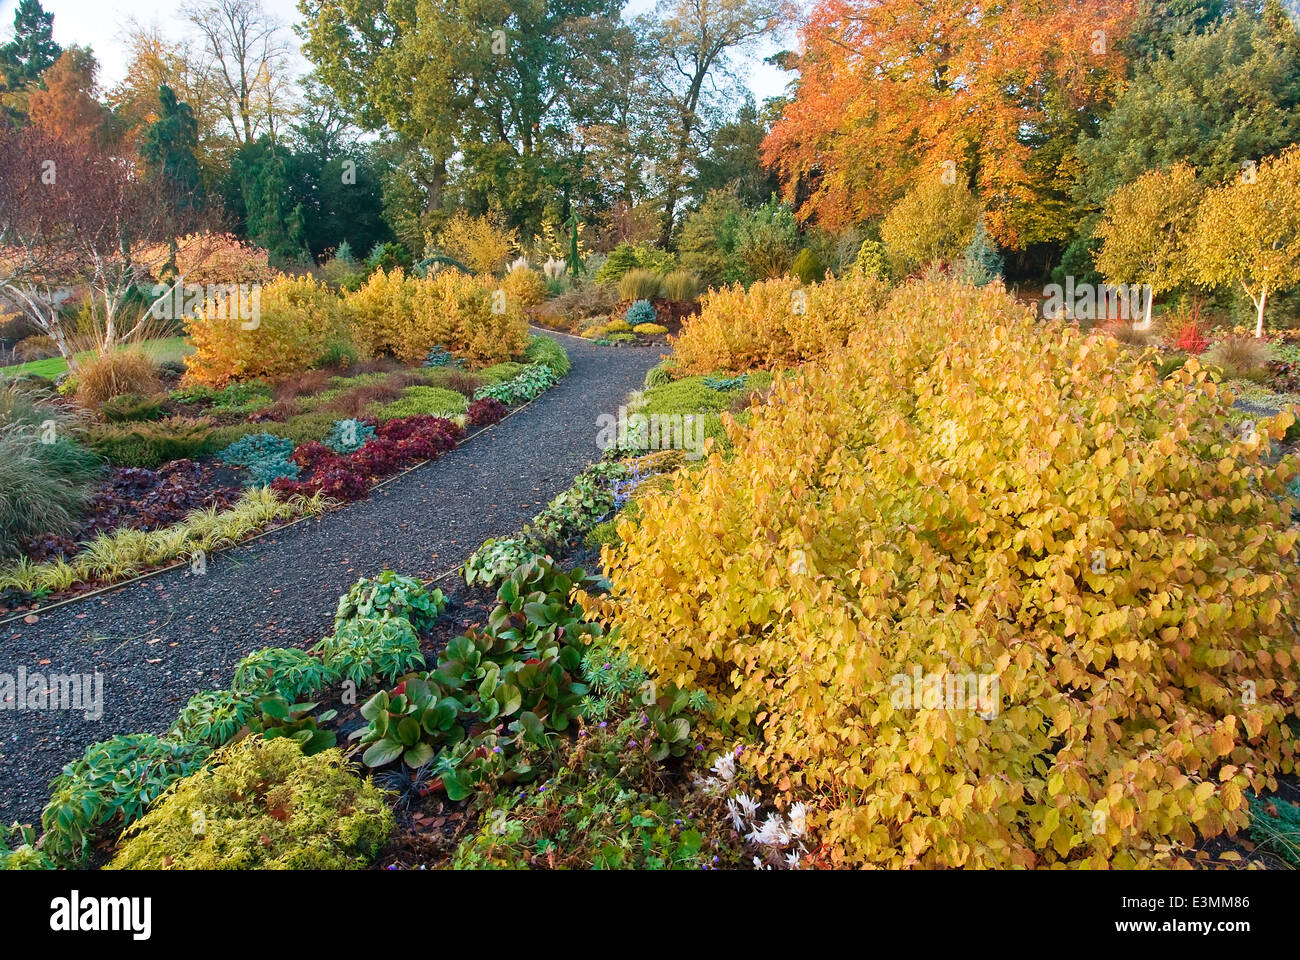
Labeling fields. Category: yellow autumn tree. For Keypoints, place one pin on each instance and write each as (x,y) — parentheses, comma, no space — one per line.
(1248,232)
(481,243)
(1146,228)
(934,221)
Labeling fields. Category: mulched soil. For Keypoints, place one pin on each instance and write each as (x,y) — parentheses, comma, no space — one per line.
(160,640)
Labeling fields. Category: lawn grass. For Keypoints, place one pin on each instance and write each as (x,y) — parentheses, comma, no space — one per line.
(165,348)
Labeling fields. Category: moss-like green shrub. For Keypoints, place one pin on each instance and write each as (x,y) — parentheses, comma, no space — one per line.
(501,372)
(300,429)
(418,401)
(262,805)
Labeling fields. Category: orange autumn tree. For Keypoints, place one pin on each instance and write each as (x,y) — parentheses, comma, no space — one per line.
(890,90)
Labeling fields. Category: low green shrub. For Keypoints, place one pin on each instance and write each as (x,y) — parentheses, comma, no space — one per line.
(261,804)
(575,511)
(365,649)
(131,407)
(20,851)
(287,671)
(528,385)
(152,444)
(115,779)
(501,372)
(495,560)
(660,374)
(547,350)
(423,401)
(211,717)
(392,595)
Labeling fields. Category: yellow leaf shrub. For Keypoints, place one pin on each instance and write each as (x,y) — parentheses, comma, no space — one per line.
(406,316)
(964,491)
(297,316)
(524,286)
(775,323)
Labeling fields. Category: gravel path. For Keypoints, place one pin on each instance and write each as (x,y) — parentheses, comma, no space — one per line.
(158,641)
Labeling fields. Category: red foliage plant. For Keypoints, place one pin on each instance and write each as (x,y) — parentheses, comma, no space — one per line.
(396,444)
(486,411)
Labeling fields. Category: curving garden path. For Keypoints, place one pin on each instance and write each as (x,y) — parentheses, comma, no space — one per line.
(158,641)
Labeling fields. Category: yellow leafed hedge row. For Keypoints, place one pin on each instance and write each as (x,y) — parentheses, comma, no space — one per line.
(406,316)
(391,314)
(966,492)
(776,323)
(296,317)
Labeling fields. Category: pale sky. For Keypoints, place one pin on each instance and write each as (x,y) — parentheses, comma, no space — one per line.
(98,25)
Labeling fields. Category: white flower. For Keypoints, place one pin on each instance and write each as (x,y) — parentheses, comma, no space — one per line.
(798,820)
(759,865)
(737,819)
(748,804)
(725,766)
(792,860)
(771,834)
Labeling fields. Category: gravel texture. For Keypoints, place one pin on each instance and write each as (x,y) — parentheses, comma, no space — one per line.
(158,641)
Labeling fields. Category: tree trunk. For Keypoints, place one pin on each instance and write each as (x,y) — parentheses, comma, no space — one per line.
(1259,319)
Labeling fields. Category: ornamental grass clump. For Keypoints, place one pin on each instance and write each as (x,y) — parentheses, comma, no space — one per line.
(984,592)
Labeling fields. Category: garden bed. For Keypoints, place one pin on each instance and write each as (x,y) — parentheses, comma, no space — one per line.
(309,436)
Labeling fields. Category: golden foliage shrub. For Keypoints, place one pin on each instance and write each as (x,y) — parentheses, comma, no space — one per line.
(524,286)
(405,316)
(297,317)
(775,323)
(481,243)
(964,491)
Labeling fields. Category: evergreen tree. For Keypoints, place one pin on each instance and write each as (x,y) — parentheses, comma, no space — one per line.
(32,51)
